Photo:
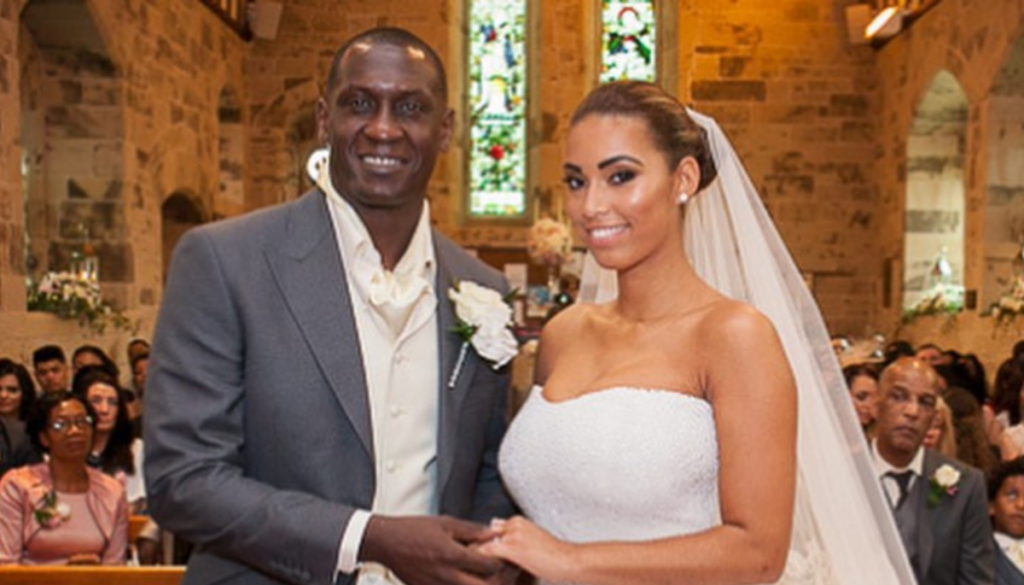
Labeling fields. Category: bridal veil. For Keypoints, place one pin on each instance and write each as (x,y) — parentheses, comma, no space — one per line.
(843,530)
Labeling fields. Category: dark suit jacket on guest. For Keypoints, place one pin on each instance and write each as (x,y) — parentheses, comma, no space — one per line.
(258,438)
(16,449)
(953,543)
(1006,572)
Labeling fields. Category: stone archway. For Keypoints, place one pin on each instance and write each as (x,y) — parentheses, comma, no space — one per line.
(1004,197)
(933,242)
(72,142)
(179,213)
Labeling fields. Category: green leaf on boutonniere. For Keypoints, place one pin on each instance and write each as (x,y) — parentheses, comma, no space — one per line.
(464,330)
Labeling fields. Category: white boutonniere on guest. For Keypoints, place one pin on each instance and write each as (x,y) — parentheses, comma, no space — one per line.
(943,482)
(50,513)
(483,322)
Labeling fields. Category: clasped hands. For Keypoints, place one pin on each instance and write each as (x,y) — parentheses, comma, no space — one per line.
(440,550)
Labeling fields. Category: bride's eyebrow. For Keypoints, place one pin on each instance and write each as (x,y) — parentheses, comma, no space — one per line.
(620,158)
(572,168)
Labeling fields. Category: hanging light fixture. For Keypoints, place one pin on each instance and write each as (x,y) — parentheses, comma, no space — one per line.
(885,24)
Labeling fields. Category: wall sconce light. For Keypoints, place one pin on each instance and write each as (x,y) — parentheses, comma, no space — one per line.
(885,24)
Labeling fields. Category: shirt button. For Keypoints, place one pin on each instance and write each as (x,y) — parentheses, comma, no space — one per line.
(391,466)
(400,358)
(395,412)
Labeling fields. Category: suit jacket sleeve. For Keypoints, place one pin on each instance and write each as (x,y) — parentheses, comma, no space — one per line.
(977,554)
(490,499)
(195,433)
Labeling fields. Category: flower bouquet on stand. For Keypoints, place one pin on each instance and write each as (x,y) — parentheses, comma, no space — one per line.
(71,295)
(550,244)
(943,299)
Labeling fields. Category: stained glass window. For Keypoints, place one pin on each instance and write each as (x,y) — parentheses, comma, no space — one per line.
(628,40)
(497,92)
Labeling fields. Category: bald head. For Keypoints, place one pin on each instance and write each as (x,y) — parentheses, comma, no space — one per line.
(391,37)
(911,367)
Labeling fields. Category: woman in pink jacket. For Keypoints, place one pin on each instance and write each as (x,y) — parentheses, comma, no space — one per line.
(60,511)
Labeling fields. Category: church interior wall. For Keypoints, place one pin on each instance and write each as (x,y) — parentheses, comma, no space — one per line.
(823,127)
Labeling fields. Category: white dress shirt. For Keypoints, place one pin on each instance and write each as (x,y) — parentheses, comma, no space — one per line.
(889,483)
(396,317)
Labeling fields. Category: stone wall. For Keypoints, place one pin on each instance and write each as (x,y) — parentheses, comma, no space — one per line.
(974,42)
(798,101)
(106,150)
(823,127)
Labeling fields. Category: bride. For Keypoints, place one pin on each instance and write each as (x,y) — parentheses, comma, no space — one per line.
(662,441)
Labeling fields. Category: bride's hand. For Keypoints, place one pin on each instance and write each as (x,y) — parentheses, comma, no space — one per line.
(522,542)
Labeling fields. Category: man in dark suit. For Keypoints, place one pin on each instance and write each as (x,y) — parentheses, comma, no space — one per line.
(309,409)
(1006,505)
(939,503)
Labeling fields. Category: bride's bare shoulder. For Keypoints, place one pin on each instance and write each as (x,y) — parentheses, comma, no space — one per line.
(566,332)
(730,323)
(571,322)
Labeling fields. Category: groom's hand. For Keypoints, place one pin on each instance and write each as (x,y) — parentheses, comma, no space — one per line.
(430,550)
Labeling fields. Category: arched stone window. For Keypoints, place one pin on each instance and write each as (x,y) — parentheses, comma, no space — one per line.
(933,244)
(72,143)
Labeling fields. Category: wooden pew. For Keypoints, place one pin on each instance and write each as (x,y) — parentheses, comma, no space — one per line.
(91,575)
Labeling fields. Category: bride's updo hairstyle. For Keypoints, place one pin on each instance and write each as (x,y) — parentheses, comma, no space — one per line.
(674,132)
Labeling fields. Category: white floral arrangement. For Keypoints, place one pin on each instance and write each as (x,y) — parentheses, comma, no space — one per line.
(484,318)
(943,299)
(550,242)
(74,296)
(943,482)
(1010,304)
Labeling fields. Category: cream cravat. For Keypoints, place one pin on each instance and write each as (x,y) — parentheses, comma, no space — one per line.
(393,296)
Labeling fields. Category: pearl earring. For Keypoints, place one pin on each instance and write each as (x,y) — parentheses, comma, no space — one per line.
(683,198)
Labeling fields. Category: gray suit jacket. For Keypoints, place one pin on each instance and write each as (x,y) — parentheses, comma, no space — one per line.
(1006,572)
(258,439)
(954,539)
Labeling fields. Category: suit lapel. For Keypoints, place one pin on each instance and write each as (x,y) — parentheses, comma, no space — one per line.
(309,272)
(453,386)
(926,513)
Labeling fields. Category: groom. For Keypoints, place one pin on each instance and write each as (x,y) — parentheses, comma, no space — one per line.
(308,415)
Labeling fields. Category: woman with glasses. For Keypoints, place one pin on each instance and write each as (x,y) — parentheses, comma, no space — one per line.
(61,511)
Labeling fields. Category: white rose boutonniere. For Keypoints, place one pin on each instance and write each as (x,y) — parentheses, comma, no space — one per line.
(943,482)
(483,322)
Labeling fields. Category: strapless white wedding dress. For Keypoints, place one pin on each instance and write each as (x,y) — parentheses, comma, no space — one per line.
(625,464)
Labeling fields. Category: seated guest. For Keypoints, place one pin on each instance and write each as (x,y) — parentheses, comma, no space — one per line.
(972,446)
(1006,505)
(930,354)
(939,504)
(17,394)
(90,355)
(137,347)
(61,512)
(941,436)
(115,450)
(140,365)
(51,369)
(895,350)
(1006,399)
(862,380)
